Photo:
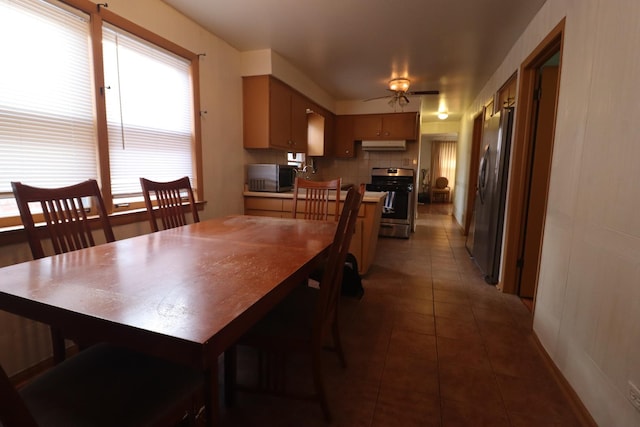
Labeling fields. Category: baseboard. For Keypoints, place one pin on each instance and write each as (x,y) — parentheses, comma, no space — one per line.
(577,406)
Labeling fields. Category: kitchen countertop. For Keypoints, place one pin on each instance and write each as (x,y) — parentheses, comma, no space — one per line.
(365,239)
(369,196)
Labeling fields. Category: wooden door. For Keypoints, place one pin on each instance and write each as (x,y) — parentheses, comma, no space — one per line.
(474,164)
(521,156)
(539,180)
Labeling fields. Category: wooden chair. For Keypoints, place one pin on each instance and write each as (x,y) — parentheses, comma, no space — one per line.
(440,192)
(66,224)
(302,322)
(170,198)
(316,198)
(104,386)
(64,210)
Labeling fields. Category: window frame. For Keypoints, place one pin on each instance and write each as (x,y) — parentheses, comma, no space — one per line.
(97,15)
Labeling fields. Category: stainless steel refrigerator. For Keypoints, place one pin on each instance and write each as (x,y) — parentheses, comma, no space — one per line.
(485,242)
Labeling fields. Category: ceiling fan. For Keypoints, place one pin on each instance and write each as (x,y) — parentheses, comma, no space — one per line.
(400,92)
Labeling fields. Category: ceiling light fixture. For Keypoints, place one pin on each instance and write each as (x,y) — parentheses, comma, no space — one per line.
(399,84)
(443,115)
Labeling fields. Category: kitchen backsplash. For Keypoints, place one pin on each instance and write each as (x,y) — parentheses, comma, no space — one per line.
(352,171)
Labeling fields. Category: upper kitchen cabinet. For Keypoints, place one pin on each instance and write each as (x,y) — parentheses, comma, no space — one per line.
(320,125)
(275,115)
(385,126)
(507,93)
(343,143)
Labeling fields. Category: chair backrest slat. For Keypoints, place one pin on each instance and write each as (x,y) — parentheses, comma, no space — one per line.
(316,198)
(169,201)
(65,216)
(330,283)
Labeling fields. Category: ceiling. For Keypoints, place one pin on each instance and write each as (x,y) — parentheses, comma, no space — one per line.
(352,48)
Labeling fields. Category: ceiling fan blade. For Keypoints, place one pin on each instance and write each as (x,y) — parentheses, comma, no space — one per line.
(405,98)
(424,92)
(378,97)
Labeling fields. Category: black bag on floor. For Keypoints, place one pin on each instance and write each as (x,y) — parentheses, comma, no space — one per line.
(351,280)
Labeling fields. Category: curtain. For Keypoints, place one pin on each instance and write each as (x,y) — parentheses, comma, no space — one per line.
(443,161)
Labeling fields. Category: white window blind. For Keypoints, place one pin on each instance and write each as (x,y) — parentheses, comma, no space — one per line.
(149,112)
(47,126)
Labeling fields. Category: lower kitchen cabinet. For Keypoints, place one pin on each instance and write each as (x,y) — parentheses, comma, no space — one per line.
(364,241)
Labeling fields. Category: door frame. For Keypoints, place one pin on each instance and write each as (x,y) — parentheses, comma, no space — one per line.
(522,154)
(476,142)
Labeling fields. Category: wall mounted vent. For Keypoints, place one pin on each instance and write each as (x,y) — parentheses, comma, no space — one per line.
(391,145)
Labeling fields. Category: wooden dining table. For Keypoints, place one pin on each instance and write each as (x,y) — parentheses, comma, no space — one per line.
(185,294)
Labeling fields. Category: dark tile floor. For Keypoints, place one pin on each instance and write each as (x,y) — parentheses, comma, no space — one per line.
(429,344)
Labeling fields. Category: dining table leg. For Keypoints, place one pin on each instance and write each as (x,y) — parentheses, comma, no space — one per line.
(230,369)
(211,405)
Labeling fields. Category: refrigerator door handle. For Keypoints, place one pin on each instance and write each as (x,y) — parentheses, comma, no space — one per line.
(482,174)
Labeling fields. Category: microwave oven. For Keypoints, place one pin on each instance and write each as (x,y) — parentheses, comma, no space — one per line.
(271,177)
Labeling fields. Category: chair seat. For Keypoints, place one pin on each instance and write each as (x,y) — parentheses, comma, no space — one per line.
(88,390)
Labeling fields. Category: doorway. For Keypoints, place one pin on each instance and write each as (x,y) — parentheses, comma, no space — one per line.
(532,156)
(476,141)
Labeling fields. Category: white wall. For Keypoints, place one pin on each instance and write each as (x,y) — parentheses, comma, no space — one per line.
(587,312)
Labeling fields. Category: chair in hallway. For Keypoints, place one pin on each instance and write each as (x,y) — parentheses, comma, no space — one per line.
(104,386)
(65,212)
(313,198)
(302,322)
(169,197)
(440,192)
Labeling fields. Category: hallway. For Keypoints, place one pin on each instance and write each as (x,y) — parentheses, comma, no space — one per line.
(429,344)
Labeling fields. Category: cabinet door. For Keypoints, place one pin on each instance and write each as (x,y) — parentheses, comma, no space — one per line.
(298,122)
(329,133)
(255,111)
(400,126)
(507,93)
(279,115)
(367,126)
(320,124)
(344,140)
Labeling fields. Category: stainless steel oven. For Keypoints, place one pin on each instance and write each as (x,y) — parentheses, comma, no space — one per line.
(398,209)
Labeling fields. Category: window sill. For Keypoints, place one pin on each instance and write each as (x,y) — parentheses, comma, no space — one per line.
(15,234)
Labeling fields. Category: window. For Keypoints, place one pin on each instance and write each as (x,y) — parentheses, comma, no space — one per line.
(149,112)
(52,132)
(443,161)
(47,125)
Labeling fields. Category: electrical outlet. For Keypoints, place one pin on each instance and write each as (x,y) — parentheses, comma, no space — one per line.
(634,395)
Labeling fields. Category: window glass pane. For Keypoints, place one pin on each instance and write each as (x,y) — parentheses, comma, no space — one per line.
(47,126)
(149,112)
